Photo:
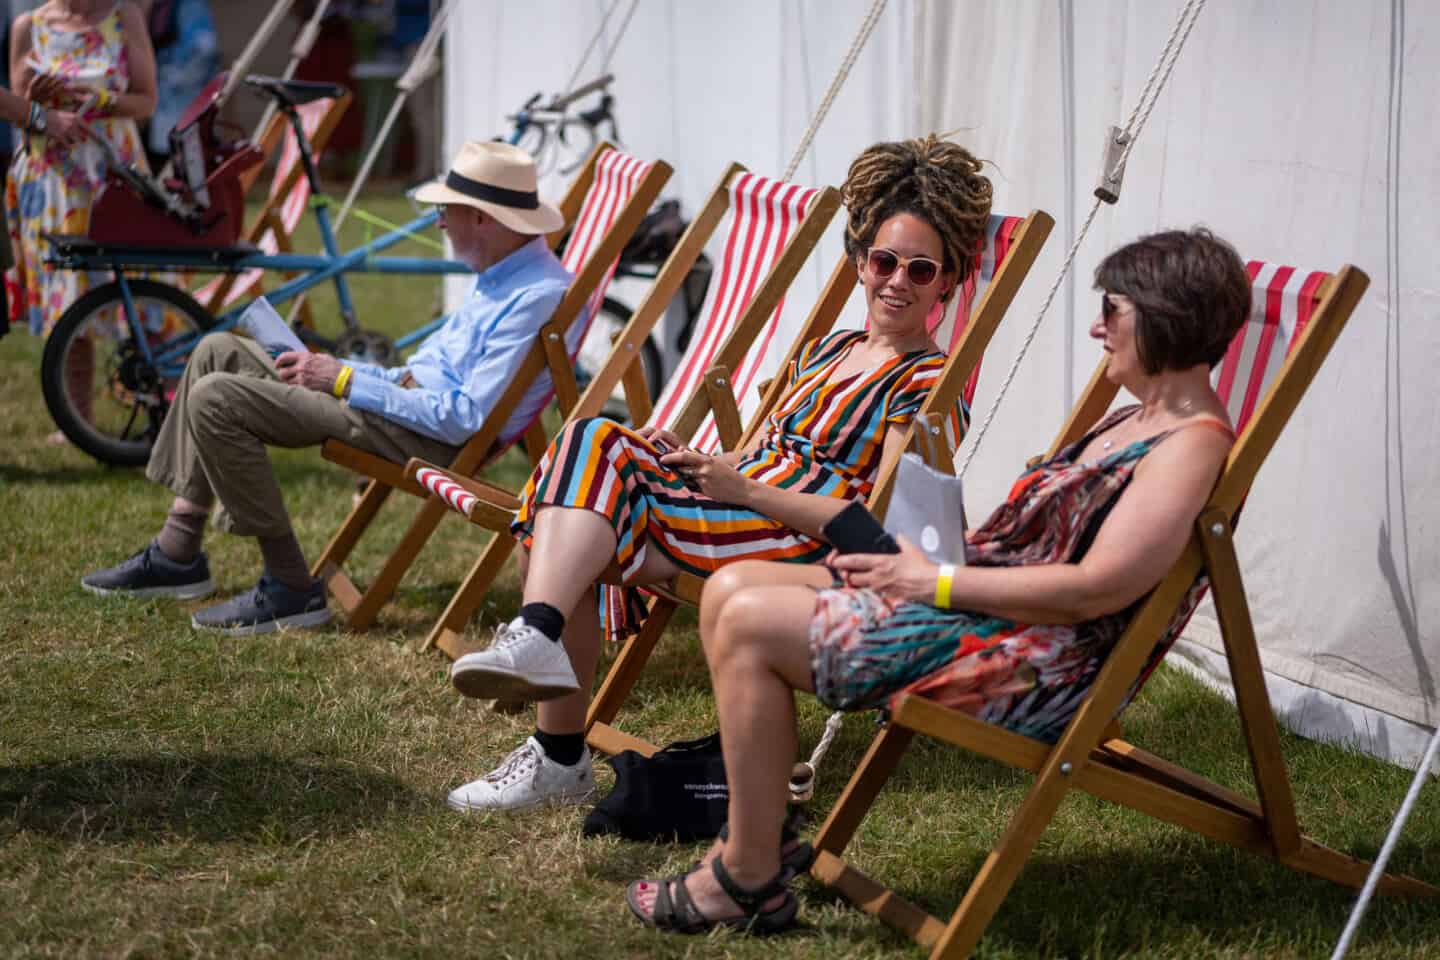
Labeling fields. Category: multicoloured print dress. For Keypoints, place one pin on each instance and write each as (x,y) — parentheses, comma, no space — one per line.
(51,188)
(1029,678)
(825,436)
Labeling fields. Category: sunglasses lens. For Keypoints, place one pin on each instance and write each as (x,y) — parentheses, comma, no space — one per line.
(883,263)
(1107,306)
(922,272)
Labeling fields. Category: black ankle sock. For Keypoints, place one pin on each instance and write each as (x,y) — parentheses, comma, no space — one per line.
(544,618)
(563,748)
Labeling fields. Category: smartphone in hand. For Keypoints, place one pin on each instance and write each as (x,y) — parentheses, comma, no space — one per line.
(855,530)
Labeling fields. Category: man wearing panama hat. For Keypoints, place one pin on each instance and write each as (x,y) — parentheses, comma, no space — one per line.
(233,401)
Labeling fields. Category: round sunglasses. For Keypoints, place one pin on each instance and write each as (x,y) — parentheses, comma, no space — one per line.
(922,271)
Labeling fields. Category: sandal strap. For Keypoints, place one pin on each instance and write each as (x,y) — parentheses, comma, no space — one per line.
(752,899)
(678,911)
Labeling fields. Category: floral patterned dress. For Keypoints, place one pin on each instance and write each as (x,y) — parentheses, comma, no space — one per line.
(1029,678)
(51,188)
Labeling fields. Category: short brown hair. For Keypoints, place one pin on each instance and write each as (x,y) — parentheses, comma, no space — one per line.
(1191,296)
(938,181)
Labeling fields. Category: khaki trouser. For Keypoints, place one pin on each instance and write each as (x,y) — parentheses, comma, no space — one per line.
(230,405)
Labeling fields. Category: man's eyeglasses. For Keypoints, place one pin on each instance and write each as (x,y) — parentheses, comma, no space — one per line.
(922,271)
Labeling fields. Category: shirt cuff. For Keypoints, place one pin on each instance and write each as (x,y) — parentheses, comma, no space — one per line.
(368,392)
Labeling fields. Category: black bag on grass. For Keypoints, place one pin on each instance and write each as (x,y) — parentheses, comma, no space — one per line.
(678,794)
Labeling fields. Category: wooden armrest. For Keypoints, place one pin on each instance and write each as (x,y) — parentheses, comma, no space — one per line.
(493,496)
(720,391)
(387,472)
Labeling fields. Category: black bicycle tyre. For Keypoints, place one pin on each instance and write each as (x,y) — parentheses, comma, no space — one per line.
(106,449)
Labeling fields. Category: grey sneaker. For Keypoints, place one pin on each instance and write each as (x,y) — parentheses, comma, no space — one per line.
(527,778)
(268,607)
(521,663)
(150,573)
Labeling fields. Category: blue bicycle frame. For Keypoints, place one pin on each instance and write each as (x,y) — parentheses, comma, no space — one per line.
(169,359)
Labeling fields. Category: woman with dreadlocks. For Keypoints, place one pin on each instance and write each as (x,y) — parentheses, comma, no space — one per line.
(641,501)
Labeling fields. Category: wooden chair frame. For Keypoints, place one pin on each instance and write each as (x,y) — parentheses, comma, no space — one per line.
(496,506)
(548,353)
(1090,755)
(268,216)
(925,434)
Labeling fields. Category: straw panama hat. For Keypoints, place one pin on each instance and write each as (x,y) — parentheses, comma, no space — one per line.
(498,179)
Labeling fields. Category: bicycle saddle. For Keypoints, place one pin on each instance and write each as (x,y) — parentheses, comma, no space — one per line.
(292,93)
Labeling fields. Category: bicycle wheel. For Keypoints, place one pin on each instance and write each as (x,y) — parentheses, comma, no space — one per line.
(595,348)
(536,141)
(100,389)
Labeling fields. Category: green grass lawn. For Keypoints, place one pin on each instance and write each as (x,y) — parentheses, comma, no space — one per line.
(169,793)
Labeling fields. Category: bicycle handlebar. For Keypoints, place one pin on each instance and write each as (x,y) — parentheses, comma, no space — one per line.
(565,99)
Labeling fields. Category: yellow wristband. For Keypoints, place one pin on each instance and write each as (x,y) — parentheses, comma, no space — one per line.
(942,585)
(341,382)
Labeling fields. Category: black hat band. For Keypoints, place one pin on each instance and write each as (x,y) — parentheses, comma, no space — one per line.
(519,199)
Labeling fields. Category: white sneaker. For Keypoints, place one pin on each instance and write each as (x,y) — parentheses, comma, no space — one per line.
(527,778)
(521,663)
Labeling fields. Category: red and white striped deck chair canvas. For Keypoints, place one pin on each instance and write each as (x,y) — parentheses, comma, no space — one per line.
(607,202)
(617,178)
(764,215)
(285,204)
(1282,300)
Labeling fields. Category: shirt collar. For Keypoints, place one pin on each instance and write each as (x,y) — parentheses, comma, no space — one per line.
(497,275)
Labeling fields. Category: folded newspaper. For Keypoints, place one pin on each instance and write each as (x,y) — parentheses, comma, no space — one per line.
(269,329)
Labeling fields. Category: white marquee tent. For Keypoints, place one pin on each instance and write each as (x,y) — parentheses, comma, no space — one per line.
(1302,130)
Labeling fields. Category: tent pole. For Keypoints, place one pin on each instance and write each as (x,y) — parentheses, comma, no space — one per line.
(421,67)
(1366,892)
(299,50)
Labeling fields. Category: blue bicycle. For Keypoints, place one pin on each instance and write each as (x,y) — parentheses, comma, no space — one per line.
(112,362)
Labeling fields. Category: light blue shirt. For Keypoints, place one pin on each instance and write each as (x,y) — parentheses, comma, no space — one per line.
(461,369)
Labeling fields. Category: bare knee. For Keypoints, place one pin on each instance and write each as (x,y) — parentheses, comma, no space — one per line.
(740,625)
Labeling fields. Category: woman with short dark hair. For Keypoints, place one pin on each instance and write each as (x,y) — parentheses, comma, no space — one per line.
(1016,636)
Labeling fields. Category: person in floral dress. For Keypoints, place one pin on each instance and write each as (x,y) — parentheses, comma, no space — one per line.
(1016,635)
(93,58)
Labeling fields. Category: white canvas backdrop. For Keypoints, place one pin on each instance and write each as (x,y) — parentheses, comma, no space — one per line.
(1276,131)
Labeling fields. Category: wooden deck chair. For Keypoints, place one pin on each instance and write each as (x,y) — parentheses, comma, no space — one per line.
(1296,319)
(1011,246)
(275,223)
(607,201)
(773,228)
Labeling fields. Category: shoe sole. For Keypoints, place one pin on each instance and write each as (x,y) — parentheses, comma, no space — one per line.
(188,591)
(298,621)
(497,683)
(570,800)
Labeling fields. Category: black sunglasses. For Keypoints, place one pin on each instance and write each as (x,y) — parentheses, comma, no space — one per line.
(1107,306)
(922,271)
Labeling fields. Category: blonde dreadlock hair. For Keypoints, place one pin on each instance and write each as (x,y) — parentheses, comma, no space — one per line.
(937,181)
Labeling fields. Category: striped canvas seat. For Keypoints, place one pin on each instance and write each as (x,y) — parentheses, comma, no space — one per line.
(617,176)
(1282,300)
(764,214)
(290,209)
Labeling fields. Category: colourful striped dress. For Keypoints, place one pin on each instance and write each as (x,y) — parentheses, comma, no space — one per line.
(824,437)
(1029,678)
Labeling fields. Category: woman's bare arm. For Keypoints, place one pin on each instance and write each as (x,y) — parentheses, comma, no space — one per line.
(21,73)
(1138,542)
(139,100)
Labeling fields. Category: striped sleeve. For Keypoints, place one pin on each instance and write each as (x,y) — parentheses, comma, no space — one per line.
(911,389)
